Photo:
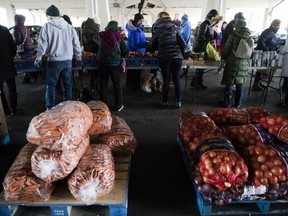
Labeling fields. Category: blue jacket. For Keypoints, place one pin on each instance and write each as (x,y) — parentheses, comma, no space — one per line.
(186,34)
(136,38)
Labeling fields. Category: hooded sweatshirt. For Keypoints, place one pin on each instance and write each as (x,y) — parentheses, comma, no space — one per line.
(21,33)
(58,41)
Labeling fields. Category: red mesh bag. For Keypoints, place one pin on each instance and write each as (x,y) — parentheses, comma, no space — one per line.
(194,123)
(220,165)
(276,125)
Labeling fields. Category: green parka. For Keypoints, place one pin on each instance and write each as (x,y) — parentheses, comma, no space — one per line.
(236,69)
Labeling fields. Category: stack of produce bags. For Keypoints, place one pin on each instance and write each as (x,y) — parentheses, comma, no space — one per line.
(225,143)
(60,138)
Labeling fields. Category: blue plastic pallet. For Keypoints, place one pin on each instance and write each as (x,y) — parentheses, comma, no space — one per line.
(62,202)
(243,207)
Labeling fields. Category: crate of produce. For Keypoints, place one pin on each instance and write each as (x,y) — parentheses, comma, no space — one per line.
(89,62)
(24,65)
(242,207)
(142,62)
(63,203)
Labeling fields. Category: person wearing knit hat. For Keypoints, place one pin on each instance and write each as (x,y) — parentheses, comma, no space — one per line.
(266,42)
(136,43)
(231,26)
(204,36)
(138,17)
(235,69)
(53,11)
(58,40)
(112,49)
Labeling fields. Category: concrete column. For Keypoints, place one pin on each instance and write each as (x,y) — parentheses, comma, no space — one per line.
(267,18)
(104,12)
(10,10)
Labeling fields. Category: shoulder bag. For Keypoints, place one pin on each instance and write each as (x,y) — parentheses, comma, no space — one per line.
(123,61)
(20,47)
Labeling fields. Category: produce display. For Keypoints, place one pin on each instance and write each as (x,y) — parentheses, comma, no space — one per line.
(94,175)
(102,119)
(21,184)
(120,138)
(234,116)
(134,54)
(60,143)
(276,125)
(237,160)
(53,165)
(61,128)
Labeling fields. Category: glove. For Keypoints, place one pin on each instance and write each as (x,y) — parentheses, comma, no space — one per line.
(79,63)
(37,63)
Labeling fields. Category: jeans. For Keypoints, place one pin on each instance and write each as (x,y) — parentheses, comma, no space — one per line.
(54,71)
(238,93)
(172,66)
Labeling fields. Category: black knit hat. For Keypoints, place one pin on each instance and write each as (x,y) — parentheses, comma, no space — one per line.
(137,17)
(52,11)
(239,15)
(112,26)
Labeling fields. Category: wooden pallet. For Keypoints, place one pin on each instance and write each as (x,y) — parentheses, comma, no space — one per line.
(62,203)
(243,207)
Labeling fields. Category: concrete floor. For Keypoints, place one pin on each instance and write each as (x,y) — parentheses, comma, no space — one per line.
(159,184)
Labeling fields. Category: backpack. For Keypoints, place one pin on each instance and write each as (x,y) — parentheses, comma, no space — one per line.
(245,48)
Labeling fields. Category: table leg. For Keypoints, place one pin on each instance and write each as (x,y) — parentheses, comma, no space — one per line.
(250,83)
(265,92)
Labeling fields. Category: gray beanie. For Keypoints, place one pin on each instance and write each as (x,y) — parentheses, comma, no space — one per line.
(52,11)
(240,23)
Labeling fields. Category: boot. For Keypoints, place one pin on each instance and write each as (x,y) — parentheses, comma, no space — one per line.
(13,103)
(199,79)
(227,100)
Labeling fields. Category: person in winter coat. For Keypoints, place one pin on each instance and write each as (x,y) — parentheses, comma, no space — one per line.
(284,72)
(136,43)
(204,36)
(21,35)
(236,69)
(58,41)
(170,58)
(112,49)
(8,71)
(90,32)
(231,26)
(266,42)
(186,30)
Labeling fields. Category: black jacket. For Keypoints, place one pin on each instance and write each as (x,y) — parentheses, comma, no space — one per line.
(164,39)
(204,35)
(7,54)
(265,41)
(228,30)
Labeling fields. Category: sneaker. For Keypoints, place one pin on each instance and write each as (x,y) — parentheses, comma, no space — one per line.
(121,107)
(178,105)
(164,104)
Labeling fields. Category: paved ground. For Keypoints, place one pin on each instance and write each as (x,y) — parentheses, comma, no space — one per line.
(159,184)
